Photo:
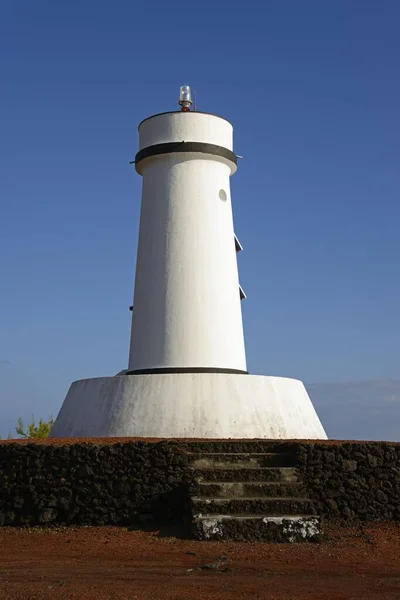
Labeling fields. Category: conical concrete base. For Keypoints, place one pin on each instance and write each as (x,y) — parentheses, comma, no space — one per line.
(189,405)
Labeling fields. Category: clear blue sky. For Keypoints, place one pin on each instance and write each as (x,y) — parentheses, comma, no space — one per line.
(313,91)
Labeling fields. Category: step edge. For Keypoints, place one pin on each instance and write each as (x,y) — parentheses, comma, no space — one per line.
(247,468)
(203,454)
(253,498)
(256,517)
(272,483)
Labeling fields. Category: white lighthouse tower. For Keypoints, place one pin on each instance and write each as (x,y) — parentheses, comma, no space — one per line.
(187,373)
(186,309)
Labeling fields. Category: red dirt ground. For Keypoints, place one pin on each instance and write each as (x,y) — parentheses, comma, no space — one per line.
(110,563)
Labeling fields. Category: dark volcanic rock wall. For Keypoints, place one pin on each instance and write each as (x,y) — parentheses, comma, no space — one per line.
(89,483)
(95,482)
(352,480)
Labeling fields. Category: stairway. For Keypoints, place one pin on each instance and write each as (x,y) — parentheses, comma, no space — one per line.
(249,496)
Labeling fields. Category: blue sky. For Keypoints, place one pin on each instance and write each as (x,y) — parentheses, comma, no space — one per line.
(313,91)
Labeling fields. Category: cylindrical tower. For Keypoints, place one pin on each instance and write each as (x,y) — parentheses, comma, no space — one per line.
(186,310)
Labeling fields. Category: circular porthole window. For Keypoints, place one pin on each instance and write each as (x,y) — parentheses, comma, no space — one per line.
(222,195)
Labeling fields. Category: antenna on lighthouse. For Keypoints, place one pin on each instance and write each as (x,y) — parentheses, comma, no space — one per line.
(185,98)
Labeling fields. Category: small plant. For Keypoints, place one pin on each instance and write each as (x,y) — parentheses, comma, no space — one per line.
(41,430)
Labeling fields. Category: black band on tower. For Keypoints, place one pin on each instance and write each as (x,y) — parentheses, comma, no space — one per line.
(170,370)
(172,147)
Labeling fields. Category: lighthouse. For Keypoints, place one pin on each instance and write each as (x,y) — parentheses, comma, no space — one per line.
(186,310)
(187,374)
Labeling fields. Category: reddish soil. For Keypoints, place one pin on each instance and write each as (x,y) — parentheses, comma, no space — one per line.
(116,564)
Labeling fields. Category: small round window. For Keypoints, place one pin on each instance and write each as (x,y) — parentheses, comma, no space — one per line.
(222,195)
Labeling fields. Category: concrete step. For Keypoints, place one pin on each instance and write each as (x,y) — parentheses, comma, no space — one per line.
(252,528)
(248,489)
(233,446)
(283,474)
(240,460)
(248,506)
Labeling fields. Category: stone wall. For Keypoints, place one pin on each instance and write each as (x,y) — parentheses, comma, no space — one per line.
(89,483)
(352,480)
(122,481)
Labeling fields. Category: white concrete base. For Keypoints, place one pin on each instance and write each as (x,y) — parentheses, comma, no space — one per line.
(189,405)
